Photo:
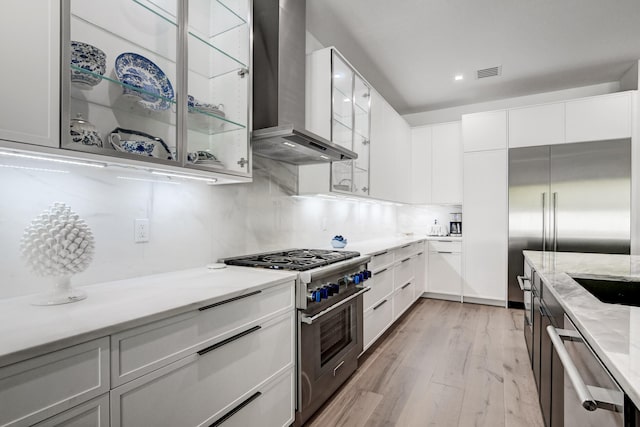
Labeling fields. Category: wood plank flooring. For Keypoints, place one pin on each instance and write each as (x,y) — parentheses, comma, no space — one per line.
(444,364)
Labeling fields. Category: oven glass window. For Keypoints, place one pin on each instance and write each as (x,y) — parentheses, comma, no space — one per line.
(335,334)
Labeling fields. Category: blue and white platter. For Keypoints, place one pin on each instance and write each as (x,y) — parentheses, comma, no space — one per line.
(144,80)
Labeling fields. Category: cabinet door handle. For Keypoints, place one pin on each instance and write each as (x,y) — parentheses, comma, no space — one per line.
(408,283)
(207,307)
(229,340)
(237,409)
(610,400)
(380,304)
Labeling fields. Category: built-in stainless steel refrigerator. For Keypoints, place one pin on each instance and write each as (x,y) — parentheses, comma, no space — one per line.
(568,198)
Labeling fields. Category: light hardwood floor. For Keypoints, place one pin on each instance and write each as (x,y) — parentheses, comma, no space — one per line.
(444,364)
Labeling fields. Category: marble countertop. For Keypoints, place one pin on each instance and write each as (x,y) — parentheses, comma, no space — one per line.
(374,246)
(612,331)
(27,331)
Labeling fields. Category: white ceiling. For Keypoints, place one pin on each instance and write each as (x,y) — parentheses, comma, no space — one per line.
(410,50)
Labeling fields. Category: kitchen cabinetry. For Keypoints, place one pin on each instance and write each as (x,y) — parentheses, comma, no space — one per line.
(599,118)
(485,214)
(445,270)
(537,125)
(44,386)
(484,131)
(421,165)
(205,366)
(30,85)
(394,288)
(341,113)
(436,164)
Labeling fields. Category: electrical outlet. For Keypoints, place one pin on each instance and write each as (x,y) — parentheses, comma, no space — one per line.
(141,230)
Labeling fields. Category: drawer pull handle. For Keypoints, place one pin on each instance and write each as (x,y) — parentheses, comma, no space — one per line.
(420,253)
(445,241)
(380,305)
(408,283)
(381,271)
(237,409)
(405,260)
(521,280)
(207,307)
(228,340)
(337,367)
(381,253)
(444,252)
(405,246)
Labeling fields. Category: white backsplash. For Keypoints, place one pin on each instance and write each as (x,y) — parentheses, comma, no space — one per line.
(419,218)
(191,224)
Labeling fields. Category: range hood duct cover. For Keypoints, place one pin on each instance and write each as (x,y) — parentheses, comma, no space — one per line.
(279,62)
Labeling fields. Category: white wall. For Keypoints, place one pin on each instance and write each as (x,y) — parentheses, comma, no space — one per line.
(455,113)
(191,224)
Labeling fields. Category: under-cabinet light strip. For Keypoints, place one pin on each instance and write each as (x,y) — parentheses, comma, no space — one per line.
(33,169)
(154,181)
(53,159)
(177,175)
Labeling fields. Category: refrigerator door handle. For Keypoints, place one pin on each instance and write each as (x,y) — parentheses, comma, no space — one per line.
(555,221)
(544,221)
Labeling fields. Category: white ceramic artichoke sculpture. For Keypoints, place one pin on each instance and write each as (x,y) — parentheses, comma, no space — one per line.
(58,244)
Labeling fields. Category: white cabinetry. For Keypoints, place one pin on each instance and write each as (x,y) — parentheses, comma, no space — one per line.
(30,83)
(485,226)
(484,131)
(537,125)
(41,387)
(599,118)
(421,165)
(446,163)
(445,270)
(397,274)
(390,152)
(94,413)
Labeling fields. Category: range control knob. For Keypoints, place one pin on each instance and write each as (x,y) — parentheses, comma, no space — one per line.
(367,274)
(335,287)
(329,290)
(324,292)
(355,279)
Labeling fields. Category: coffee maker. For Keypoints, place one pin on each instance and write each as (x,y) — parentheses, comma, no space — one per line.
(455,225)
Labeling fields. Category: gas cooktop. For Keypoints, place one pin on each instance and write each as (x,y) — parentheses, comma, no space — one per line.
(292,259)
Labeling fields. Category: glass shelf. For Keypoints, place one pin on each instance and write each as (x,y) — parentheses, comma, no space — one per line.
(200,121)
(349,129)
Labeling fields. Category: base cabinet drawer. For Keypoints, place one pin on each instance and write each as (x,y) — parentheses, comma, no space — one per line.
(406,251)
(381,260)
(381,285)
(445,246)
(39,388)
(199,389)
(403,272)
(402,299)
(270,405)
(376,320)
(141,350)
(94,413)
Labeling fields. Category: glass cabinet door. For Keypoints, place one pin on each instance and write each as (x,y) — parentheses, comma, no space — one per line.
(342,103)
(119,97)
(361,137)
(218,85)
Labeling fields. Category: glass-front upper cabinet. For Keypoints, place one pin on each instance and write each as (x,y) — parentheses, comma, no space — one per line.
(350,126)
(144,85)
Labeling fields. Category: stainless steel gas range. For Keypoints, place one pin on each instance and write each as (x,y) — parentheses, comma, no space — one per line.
(329,293)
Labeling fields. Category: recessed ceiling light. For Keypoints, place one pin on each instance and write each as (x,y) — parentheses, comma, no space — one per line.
(458,77)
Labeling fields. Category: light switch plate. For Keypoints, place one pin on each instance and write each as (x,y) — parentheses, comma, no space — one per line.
(141,230)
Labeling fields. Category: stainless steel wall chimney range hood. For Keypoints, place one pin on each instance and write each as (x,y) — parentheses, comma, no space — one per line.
(279,87)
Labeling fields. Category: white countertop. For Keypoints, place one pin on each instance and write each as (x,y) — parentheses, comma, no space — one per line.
(27,330)
(374,246)
(612,331)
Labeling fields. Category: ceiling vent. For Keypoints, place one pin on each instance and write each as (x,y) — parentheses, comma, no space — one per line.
(489,72)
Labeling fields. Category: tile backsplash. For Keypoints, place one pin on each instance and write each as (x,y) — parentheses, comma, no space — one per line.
(191,224)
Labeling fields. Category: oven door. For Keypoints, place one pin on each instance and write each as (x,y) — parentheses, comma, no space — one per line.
(328,348)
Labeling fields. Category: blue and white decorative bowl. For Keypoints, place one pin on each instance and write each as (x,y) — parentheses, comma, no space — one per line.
(141,143)
(338,242)
(87,57)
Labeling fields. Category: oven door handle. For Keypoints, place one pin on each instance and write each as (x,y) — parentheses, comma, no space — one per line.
(310,319)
